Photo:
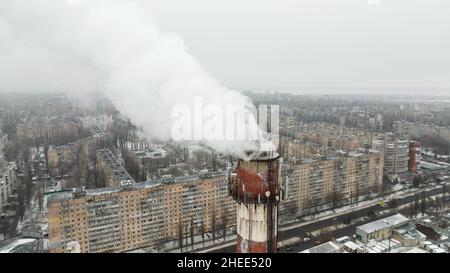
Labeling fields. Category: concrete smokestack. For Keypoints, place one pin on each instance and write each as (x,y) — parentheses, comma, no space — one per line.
(256,191)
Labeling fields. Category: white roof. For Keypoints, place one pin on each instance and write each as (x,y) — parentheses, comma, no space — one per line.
(328,247)
(409,250)
(384,223)
(375,249)
(352,245)
(342,239)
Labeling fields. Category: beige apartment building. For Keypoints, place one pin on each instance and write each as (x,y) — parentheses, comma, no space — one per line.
(412,129)
(314,182)
(136,215)
(47,128)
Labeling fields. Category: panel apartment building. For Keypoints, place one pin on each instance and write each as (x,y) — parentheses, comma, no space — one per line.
(312,183)
(413,129)
(137,215)
(47,128)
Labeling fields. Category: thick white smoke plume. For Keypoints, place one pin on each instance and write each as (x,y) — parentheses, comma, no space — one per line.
(74,46)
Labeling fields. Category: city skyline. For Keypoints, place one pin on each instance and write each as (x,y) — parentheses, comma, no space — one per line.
(189,127)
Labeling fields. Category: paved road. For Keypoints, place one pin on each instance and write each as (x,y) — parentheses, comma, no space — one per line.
(373,213)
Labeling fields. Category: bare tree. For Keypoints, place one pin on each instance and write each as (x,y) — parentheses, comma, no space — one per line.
(12,150)
(133,166)
(46,154)
(28,179)
(444,195)
(180,235)
(334,197)
(411,210)
(309,207)
(423,203)
(192,232)
(224,217)
(417,181)
(291,209)
(21,196)
(213,224)
(40,196)
(324,235)
(5,227)
(186,235)
(375,188)
(214,161)
(202,232)
(357,193)
(393,203)
(101,178)
(416,204)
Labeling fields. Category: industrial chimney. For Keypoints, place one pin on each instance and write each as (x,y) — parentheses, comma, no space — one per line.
(256,191)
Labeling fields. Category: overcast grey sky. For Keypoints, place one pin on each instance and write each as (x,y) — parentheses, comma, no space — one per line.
(276,45)
(291,44)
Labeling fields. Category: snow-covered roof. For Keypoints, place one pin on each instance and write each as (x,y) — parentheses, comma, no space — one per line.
(329,247)
(384,223)
(148,184)
(351,245)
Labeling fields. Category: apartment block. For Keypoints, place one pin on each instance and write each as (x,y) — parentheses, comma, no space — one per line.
(413,129)
(62,157)
(131,216)
(396,154)
(45,128)
(316,182)
(102,122)
(152,159)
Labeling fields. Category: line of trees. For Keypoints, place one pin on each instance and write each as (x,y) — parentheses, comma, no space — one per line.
(133,166)
(420,204)
(441,144)
(188,230)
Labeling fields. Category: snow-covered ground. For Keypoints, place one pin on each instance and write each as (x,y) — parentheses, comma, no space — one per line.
(362,204)
(15,243)
(33,216)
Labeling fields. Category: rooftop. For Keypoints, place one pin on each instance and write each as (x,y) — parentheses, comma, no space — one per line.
(431,166)
(61,196)
(387,222)
(351,245)
(408,250)
(117,170)
(153,153)
(329,247)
